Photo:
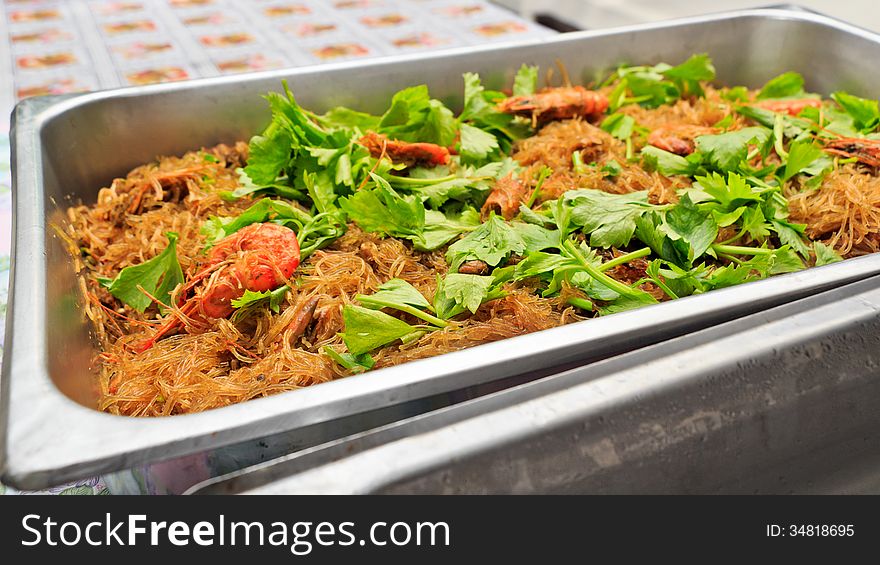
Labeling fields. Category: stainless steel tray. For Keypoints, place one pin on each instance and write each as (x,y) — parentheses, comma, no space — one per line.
(776,402)
(65,148)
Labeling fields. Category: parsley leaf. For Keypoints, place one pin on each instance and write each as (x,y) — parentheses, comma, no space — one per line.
(786,85)
(696,68)
(476,144)
(825,255)
(480,110)
(382,210)
(341,117)
(251,301)
(457,292)
(669,164)
(608,218)
(354,363)
(392,294)
(696,228)
(539,263)
(269,154)
(401,295)
(158,276)
(492,242)
(730,194)
(662,84)
(619,126)
(865,113)
(442,228)
(727,150)
(792,127)
(526,80)
(251,298)
(313,232)
(366,329)
(803,157)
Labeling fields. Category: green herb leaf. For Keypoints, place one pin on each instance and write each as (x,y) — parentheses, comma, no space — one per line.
(625,303)
(394,293)
(754,223)
(537,238)
(792,127)
(442,228)
(782,260)
(786,85)
(457,292)
(791,235)
(667,163)
(608,218)
(476,144)
(729,194)
(825,255)
(382,210)
(865,113)
(727,150)
(801,157)
(696,68)
(269,154)
(539,263)
(251,301)
(619,126)
(612,168)
(526,81)
(366,329)
(354,363)
(696,228)
(492,242)
(158,276)
(341,117)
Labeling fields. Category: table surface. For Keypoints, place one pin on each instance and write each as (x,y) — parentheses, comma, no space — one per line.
(58,47)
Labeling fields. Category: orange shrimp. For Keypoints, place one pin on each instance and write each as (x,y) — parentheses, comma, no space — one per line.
(678,138)
(791,107)
(866,151)
(558,103)
(258,257)
(427,154)
(505,198)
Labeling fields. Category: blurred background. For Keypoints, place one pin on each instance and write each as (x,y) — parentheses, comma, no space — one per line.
(594,14)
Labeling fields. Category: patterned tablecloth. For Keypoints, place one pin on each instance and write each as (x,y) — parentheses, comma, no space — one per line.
(57,47)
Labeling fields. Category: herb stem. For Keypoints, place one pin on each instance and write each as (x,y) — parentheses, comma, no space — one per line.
(581,303)
(409,181)
(410,337)
(669,292)
(644,252)
(367,300)
(279,293)
(778,133)
(734,238)
(542,176)
(577,162)
(611,283)
(740,250)
(731,258)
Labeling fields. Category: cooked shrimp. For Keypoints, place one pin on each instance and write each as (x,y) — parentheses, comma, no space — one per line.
(425,154)
(559,103)
(791,107)
(258,257)
(678,138)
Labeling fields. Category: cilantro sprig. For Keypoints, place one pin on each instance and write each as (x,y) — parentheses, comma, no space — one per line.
(137,285)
